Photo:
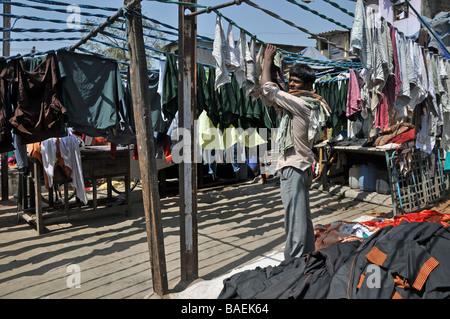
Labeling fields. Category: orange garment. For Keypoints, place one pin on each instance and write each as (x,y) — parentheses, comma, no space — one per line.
(427,216)
(326,235)
(34,150)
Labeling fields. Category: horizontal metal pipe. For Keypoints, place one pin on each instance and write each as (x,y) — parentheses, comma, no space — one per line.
(219,6)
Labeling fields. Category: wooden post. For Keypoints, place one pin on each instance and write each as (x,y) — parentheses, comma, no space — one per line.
(6,52)
(37,193)
(146,149)
(187,89)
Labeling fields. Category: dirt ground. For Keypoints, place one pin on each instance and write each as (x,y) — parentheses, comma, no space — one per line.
(237,224)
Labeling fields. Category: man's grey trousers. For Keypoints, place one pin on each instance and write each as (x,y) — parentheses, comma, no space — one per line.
(294,186)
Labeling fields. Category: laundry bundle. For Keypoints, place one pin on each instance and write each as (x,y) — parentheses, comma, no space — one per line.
(407,260)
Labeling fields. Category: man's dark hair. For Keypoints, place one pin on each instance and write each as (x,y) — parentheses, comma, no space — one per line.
(304,72)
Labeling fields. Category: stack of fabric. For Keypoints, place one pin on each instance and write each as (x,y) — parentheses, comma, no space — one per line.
(405,257)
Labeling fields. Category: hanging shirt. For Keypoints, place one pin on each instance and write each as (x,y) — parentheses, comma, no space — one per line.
(6,139)
(38,111)
(91,91)
(360,35)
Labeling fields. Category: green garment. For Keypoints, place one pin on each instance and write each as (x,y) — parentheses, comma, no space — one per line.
(228,111)
(203,96)
(213,111)
(91,91)
(170,88)
(158,122)
(286,135)
(335,93)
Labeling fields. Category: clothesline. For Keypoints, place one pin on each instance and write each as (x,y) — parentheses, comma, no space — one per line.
(81,30)
(110,9)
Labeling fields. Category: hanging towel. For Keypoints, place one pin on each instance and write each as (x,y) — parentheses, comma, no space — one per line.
(70,152)
(231,56)
(219,42)
(259,66)
(162,66)
(354,102)
(242,52)
(250,71)
(48,154)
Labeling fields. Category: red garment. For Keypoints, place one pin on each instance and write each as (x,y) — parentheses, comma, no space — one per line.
(354,103)
(428,216)
(404,137)
(398,80)
(382,119)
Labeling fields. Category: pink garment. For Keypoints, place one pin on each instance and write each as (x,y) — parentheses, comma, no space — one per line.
(354,103)
(382,118)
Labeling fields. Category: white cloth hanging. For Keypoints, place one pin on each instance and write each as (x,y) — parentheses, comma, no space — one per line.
(70,152)
(231,57)
(48,154)
(218,54)
(250,71)
(243,55)
(162,67)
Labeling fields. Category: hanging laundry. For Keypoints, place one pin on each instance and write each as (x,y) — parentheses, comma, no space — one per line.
(159,121)
(170,88)
(38,111)
(6,139)
(251,68)
(360,36)
(232,62)
(218,53)
(162,66)
(382,116)
(203,95)
(91,91)
(394,81)
(243,54)
(124,131)
(48,156)
(70,153)
(259,66)
(213,111)
(354,102)
(228,108)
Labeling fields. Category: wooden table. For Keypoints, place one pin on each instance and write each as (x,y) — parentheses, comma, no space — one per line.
(97,163)
(328,152)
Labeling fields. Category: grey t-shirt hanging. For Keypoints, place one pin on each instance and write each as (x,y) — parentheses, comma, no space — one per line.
(91,92)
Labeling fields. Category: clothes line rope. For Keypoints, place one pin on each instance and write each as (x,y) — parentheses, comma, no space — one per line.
(318,14)
(315,36)
(334,4)
(65,4)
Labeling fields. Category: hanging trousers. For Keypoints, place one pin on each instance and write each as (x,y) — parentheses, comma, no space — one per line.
(294,187)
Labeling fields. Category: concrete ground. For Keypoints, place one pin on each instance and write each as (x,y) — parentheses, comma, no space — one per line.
(239,226)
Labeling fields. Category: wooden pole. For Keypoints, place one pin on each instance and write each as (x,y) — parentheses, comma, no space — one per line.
(187,89)
(6,52)
(146,151)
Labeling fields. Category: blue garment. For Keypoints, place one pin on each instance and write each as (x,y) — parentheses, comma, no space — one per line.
(447,162)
